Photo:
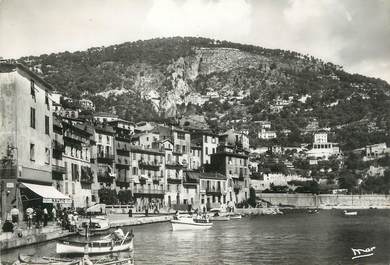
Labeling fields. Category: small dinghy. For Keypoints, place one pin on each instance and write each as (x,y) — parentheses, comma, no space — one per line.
(346,213)
(114,242)
(31,260)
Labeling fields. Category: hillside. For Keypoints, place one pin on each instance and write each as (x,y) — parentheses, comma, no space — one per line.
(175,77)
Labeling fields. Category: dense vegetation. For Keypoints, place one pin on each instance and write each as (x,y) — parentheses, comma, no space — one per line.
(354,106)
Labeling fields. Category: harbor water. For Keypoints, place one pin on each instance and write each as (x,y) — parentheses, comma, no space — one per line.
(294,238)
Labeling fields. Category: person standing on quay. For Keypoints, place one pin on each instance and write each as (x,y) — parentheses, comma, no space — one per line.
(45,216)
(29,213)
(15,214)
(54,213)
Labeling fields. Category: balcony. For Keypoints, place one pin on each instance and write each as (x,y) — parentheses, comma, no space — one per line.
(172,180)
(8,172)
(173,165)
(213,191)
(105,177)
(151,165)
(105,158)
(59,169)
(148,192)
(190,182)
(122,183)
(122,151)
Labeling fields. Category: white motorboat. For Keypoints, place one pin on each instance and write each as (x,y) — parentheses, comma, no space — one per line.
(218,215)
(190,223)
(98,225)
(350,213)
(234,216)
(114,242)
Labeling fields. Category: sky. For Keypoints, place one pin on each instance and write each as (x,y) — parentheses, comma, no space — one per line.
(351,33)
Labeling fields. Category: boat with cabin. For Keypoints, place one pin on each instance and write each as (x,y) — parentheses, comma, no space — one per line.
(93,225)
(114,242)
(190,223)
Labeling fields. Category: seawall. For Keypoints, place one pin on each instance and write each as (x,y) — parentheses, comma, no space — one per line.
(327,201)
(29,237)
(126,221)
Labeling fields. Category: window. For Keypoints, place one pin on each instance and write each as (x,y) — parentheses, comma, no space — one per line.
(73,188)
(32,118)
(47,153)
(135,171)
(205,138)
(32,152)
(181,136)
(184,148)
(47,100)
(32,86)
(207,150)
(47,125)
(66,188)
(66,171)
(134,156)
(213,151)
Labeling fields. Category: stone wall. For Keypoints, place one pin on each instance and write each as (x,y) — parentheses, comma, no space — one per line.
(326,200)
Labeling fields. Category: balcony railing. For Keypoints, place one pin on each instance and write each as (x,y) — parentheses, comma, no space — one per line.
(173,165)
(151,165)
(190,182)
(148,192)
(213,191)
(105,158)
(123,183)
(172,180)
(59,169)
(123,152)
(8,172)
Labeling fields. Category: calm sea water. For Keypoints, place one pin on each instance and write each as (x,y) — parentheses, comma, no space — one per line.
(294,238)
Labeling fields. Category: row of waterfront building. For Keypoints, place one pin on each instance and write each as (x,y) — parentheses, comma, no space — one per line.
(49,155)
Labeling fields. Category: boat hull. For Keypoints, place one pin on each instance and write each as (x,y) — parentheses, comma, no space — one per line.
(220,218)
(180,225)
(94,248)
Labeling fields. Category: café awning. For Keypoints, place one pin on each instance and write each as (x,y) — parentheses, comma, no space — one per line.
(48,193)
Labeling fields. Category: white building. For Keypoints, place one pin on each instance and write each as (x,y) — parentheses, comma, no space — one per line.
(322,149)
(266,135)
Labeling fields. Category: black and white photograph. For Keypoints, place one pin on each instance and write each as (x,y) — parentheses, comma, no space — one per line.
(159,132)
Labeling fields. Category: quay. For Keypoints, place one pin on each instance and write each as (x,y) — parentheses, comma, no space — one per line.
(24,237)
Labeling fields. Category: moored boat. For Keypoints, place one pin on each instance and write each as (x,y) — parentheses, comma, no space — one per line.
(98,225)
(31,260)
(234,216)
(114,242)
(218,215)
(190,223)
(346,213)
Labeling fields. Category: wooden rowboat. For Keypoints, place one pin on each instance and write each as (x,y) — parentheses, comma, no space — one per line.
(106,245)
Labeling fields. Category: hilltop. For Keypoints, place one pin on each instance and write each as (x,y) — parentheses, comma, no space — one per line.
(230,84)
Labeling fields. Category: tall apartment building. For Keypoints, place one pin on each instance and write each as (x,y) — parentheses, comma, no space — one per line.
(232,163)
(79,176)
(26,128)
(123,133)
(103,155)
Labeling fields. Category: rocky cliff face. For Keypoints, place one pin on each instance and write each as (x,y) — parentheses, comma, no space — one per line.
(230,85)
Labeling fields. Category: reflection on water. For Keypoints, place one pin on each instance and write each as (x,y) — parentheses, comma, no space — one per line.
(295,238)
